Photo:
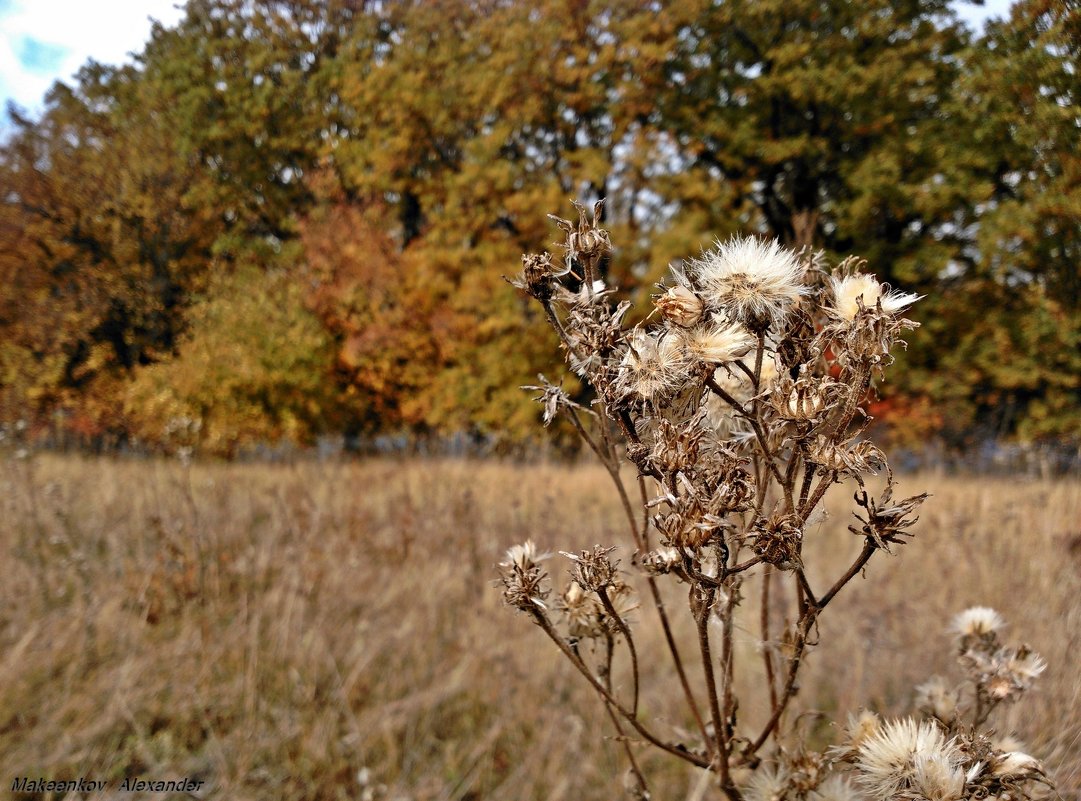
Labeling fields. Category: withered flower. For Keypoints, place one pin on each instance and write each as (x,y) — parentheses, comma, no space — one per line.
(554,399)
(680,306)
(887,520)
(524,581)
(858,292)
(538,276)
(778,541)
(661,561)
(592,569)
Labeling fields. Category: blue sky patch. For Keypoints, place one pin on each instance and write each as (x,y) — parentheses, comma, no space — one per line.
(40,57)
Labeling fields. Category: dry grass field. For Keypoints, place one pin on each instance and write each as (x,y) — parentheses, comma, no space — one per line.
(332,631)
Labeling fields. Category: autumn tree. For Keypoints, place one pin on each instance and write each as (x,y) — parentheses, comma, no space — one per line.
(100,255)
(377,167)
(1006,357)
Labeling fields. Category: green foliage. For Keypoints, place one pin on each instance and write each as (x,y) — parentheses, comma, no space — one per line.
(999,353)
(386,163)
(254,367)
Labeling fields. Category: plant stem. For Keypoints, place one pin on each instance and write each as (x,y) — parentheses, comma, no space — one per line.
(682,753)
(627,748)
(767,653)
(602,593)
(642,542)
(701,614)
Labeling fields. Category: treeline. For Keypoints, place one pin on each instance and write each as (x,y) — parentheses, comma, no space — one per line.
(291,217)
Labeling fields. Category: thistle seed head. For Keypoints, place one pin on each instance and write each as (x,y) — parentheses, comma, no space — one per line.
(1003,674)
(654,366)
(904,755)
(1015,765)
(769,783)
(524,556)
(835,788)
(938,777)
(623,601)
(581,612)
(977,621)
(860,293)
(718,342)
(936,698)
(861,726)
(754,281)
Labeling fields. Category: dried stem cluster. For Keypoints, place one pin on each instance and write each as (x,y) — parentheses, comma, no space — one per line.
(740,407)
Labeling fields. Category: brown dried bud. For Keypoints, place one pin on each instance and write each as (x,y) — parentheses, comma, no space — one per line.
(676,447)
(680,305)
(537,276)
(863,457)
(586,240)
(593,570)
(778,541)
(524,588)
(804,400)
(887,520)
(797,345)
(523,579)
(554,399)
(731,490)
(661,561)
(638,455)
(805,772)
(682,530)
(590,243)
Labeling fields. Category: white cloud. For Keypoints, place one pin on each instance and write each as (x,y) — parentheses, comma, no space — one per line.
(105,31)
(975,16)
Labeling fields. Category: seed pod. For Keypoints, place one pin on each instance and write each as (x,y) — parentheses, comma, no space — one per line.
(778,541)
(680,306)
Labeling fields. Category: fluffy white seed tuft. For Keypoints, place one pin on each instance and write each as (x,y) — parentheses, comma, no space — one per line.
(654,365)
(718,342)
(752,280)
(768,784)
(524,556)
(977,621)
(835,788)
(851,290)
(901,752)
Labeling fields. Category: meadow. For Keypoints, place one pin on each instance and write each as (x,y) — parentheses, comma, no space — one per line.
(334,630)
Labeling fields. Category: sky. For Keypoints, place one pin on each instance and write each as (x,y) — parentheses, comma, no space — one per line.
(42,41)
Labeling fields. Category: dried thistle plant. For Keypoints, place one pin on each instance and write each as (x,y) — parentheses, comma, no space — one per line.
(740,407)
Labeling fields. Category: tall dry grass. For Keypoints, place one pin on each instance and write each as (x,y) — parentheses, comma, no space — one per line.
(333,632)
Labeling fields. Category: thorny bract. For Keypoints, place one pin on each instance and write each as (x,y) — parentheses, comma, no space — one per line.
(740,406)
